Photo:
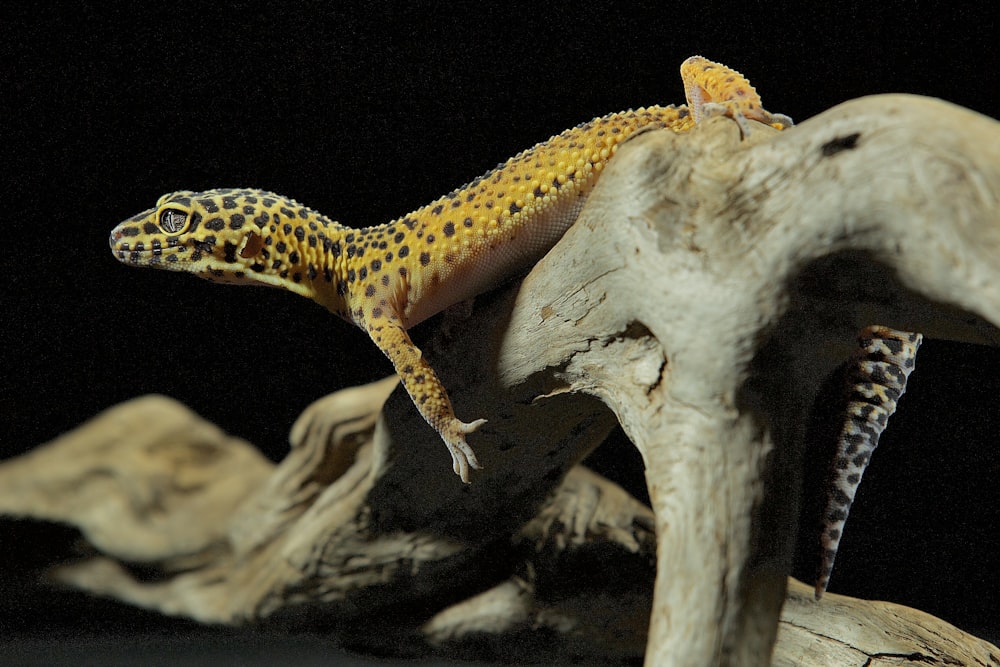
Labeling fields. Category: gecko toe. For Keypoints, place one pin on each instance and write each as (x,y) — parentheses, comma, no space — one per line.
(462,456)
(461,467)
(471,426)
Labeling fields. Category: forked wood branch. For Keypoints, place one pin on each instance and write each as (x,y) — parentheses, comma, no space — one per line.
(712,283)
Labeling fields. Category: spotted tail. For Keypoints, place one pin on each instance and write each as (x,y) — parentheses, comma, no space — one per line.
(876,380)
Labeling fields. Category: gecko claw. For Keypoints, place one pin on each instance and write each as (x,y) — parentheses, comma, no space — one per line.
(462,456)
(471,426)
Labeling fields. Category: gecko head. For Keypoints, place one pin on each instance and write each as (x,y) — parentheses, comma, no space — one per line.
(227,235)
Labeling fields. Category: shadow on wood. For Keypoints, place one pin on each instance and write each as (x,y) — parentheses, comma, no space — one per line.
(710,286)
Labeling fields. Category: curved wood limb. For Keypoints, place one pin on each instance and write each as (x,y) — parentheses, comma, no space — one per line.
(708,289)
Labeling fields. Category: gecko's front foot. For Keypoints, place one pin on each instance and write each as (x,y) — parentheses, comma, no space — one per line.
(462,456)
(778,121)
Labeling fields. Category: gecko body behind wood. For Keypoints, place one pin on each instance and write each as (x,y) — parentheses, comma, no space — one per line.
(390,277)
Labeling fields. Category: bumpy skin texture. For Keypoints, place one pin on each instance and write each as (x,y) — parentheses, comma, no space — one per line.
(877,379)
(390,277)
(712,89)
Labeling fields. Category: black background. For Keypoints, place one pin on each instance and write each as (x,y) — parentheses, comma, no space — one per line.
(365,114)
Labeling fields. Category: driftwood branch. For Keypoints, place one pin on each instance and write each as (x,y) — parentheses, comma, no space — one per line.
(574,583)
(712,283)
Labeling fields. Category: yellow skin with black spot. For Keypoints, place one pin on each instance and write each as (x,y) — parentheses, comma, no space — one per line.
(390,277)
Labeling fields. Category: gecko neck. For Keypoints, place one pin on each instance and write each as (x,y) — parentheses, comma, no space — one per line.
(311,256)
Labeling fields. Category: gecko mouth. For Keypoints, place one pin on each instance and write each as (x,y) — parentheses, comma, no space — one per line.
(129,254)
(156,247)
(141,248)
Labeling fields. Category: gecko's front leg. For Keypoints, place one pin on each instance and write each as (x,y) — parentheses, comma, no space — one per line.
(425,389)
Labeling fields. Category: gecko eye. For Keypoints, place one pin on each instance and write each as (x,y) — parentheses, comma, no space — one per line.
(173,221)
(252,245)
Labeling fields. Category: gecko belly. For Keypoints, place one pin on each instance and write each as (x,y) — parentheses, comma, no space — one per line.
(486,269)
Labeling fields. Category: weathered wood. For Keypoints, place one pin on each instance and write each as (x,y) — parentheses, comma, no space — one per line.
(776,251)
(848,632)
(146,481)
(712,283)
(575,581)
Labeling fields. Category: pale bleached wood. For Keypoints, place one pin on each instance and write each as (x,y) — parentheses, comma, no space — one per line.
(710,286)
(591,531)
(719,281)
(591,528)
(847,632)
(132,479)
